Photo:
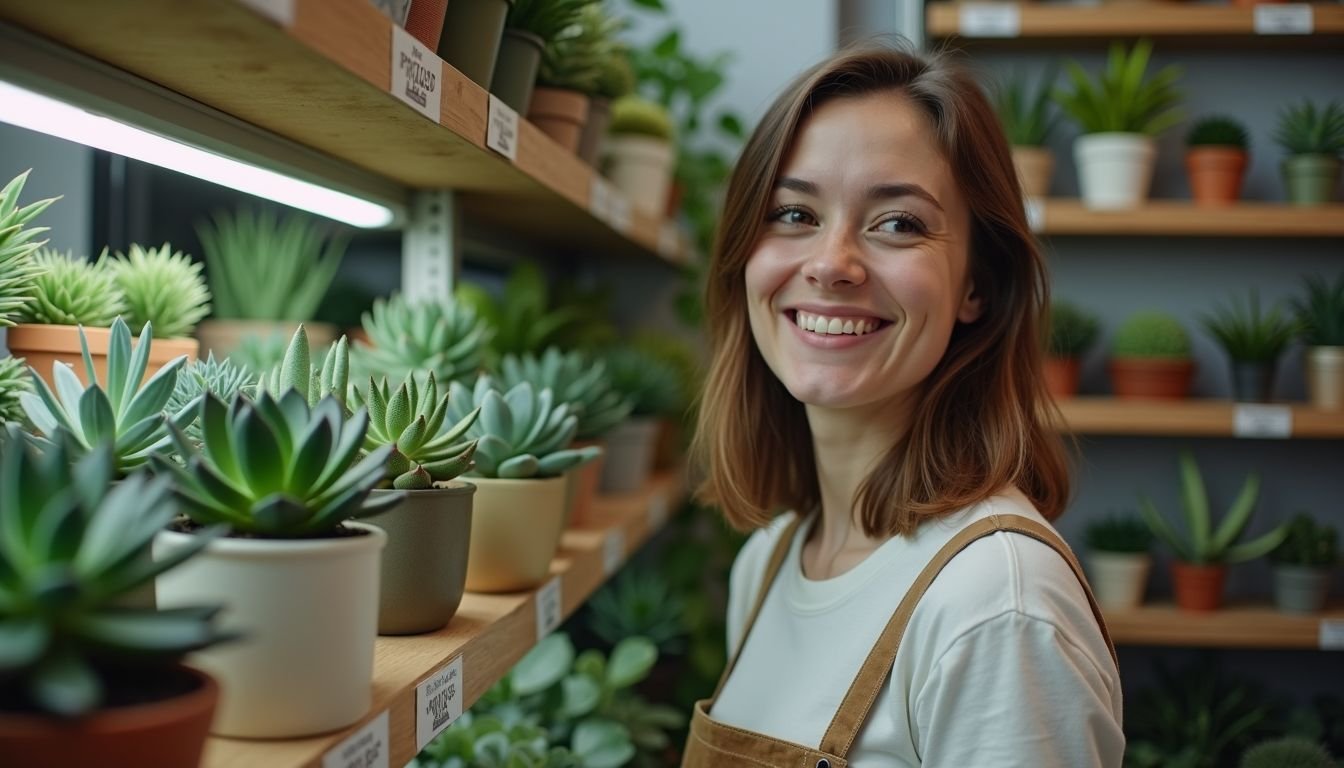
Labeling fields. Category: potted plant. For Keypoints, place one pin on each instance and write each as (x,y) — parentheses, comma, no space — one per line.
(472,30)
(1302,565)
(1215,160)
(89,679)
(67,293)
(1118,560)
(1320,316)
(1119,114)
(1254,339)
(640,154)
(616,80)
(524,318)
(571,64)
(13,381)
(1027,122)
(18,243)
(446,338)
(528,27)
(1293,751)
(1313,138)
(1203,554)
(652,387)
(680,356)
(425,562)
(222,378)
(1072,332)
(1150,358)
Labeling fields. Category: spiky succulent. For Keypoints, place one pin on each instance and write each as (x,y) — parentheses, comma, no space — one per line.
(1024,110)
(71,548)
(160,286)
(1218,131)
(520,433)
(221,378)
(72,291)
(640,603)
(411,420)
(651,384)
(1305,129)
(575,379)
(445,338)
(1248,333)
(18,270)
(1122,98)
(297,371)
(13,380)
(125,413)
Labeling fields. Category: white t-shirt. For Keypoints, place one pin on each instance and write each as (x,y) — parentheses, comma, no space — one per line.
(1002,664)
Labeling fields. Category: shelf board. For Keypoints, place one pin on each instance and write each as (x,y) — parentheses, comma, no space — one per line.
(322,82)
(1233,626)
(1058,216)
(1195,418)
(490,632)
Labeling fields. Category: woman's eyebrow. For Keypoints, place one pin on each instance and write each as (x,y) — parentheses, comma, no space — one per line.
(800,186)
(887,191)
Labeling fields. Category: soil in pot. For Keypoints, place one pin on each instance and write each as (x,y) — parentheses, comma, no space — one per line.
(1215,174)
(1061,376)
(1198,587)
(1151,378)
(42,345)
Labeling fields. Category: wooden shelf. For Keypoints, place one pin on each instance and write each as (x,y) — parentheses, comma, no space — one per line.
(1234,626)
(1197,418)
(490,633)
(1171,217)
(322,82)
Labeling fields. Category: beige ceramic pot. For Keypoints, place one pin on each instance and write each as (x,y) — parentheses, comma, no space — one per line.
(560,113)
(1034,167)
(224,336)
(641,168)
(42,345)
(1325,377)
(515,531)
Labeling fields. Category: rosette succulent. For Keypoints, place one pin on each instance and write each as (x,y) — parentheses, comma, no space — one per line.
(521,433)
(160,286)
(18,242)
(72,291)
(411,421)
(446,338)
(575,379)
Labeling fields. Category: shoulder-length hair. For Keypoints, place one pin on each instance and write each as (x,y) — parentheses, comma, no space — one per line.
(985,419)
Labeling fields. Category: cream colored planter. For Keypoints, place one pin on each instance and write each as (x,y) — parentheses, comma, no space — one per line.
(1115,170)
(630,451)
(1034,167)
(1325,377)
(224,336)
(641,167)
(308,610)
(515,531)
(42,345)
(1117,578)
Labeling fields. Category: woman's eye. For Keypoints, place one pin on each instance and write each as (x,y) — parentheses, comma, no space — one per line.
(793,216)
(901,225)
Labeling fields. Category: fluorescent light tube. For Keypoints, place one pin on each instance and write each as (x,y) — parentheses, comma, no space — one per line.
(56,118)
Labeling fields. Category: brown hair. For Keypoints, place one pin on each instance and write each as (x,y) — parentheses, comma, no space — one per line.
(985,417)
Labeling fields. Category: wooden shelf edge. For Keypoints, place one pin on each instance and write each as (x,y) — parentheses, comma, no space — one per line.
(1147,19)
(1247,625)
(1063,216)
(1192,418)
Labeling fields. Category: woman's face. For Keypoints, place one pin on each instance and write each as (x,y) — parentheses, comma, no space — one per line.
(861,269)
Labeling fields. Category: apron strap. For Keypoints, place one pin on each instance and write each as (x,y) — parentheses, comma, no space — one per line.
(866,686)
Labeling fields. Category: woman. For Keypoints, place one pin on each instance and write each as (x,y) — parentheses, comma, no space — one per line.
(875,307)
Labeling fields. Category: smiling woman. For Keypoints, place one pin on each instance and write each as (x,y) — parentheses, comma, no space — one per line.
(875,409)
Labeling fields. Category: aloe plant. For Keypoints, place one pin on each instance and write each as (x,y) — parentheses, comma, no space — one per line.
(1306,130)
(160,286)
(575,379)
(1122,99)
(13,381)
(520,433)
(446,338)
(18,243)
(297,371)
(411,421)
(72,291)
(1248,333)
(1025,111)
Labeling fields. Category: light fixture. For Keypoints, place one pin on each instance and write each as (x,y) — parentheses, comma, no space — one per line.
(43,114)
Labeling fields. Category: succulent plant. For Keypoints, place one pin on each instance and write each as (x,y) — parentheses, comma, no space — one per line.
(13,380)
(1121,99)
(1287,752)
(573,57)
(520,433)
(297,372)
(126,413)
(1151,334)
(544,18)
(1305,129)
(1072,330)
(160,286)
(575,379)
(260,352)
(639,602)
(1119,533)
(1308,544)
(1024,111)
(18,270)
(1320,314)
(72,291)
(651,384)
(1217,131)
(446,338)
(1249,334)
(617,78)
(640,117)
(411,420)
(220,378)
(72,548)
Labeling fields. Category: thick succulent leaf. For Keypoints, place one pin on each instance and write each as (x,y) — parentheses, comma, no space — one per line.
(153,397)
(135,437)
(602,744)
(349,439)
(547,416)
(543,666)
(118,368)
(460,427)
(580,695)
(365,475)
(1159,526)
(22,641)
(310,460)
(57,531)
(39,412)
(1237,517)
(1196,501)
(217,435)
(523,408)
(412,438)
(140,358)
(399,413)
(376,505)
(1257,547)
(376,402)
(413,479)
(92,475)
(519,467)
(141,570)
(442,471)
(96,417)
(437,414)
(64,684)
(259,454)
(495,418)
(164,631)
(557,463)
(268,408)
(279,514)
(128,518)
(631,660)
(295,369)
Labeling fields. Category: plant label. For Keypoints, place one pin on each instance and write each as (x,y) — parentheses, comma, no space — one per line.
(1332,635)
(620,214)
(599,195)
(549,608)
(279,11)
(669,241)
(501,132)
(365,748)
(989,20)
(417,74)
(613,551)
(438,702)
(1285,19)
(1256,420)
(1036,214)
(657,510)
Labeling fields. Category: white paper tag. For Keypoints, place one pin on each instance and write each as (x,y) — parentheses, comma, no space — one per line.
(1285,19)
(549,608)
(620,214)
(989,20)
(438,702)
(1036,214)
(613,551)
(279,11)
(365,748)
(417,74)
(1331,636)
(1256,420)
(501,132)
(657,510)
(599,196)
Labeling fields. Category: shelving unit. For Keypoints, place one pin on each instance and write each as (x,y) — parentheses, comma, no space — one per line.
(1197,418)
(1234,626)
(1183,218)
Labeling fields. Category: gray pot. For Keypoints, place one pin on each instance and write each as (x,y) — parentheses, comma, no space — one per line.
(516,69)
(595,130)
(1253,382)
(629,455)
(424,567)
(471,36)
(1300,588)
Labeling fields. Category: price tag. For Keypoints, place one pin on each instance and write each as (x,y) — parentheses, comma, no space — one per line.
(365,748)
(657,510)
(548,608)
(599,196)
(501,132)
(279,11)
(1254,420)
(1284,19)
(989,20)
(613,551)
(1036,214)
(620,214)
(1332,635)
(417,74)
(438,702)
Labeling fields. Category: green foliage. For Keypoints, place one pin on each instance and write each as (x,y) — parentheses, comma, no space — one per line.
(264,268)
(639,602)
(13,381)
(257,352)
(520,433)
(650,383)
(1288,752)
(72,291)
(575,57)
(1122,99)
(71,548)
(1218,131)
(678,354)
(1249,334)
(1203,544)
(1119,533)
(524,318)
(1025,113)
(446,338)
(222,378)
(639,117)
(1307,544)
(18,271)
(1151,334)
(1320,314)
(297,372)
(1305,129)
(122,412)
(1072,330)
(576,379)
(617,78)
(160,286)
(544,18)
(411,421)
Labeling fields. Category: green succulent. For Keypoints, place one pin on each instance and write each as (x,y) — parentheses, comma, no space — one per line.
(18,271)
(72,291)
(1249,334)
(297,372)
(446,338)
(1119,533)
(124,412)
(1218,131)
(1320,314)
(1308,544)
(651,384)
(520,433)
(617,79)
(260,352)
(13,381)
(276,468)
(160,286)
(523,317)
(573,58)
(72,547)
(1025,112)
(1072,330)
(1305,129)
(1121,99)
(544,18)
(411,421)
(1287,752)
(639,602)
(1151,334)
(633,116)
(1204,544)
(575,379)
(221,378)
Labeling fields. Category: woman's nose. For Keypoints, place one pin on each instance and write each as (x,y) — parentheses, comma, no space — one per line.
(837,261)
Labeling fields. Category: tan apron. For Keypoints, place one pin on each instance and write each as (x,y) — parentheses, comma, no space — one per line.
(713,745)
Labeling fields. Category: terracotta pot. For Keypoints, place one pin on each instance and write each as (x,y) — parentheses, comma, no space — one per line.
(1034,168)
(1325,377)
(224,336)
(1061,376)
(1151,378)
(1215,174)
(560,113)
(515,532)
(595,129)
(582,486)
(1310,179)
(169,733)
(425,21)
(42,345)
(1198,587)
(424,566)
(676,192)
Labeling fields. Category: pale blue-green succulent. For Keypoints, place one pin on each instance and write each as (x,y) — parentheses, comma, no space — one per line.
(446,338)
(297,371)
(521,433)
(412,420)
(576,379)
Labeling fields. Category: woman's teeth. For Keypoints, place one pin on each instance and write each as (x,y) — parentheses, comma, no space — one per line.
(835,325)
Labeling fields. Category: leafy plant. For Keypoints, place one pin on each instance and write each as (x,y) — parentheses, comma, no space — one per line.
(71,291)
(160,286)
(1122,99)
(13,381)
(1024,112)
(639,603)
(1305,129)
(1288,752)
(1217,131)
(446,338)
(520,433)
(523,317)
(71,548)
(544,18)
(1204,544)
(650,384)
(575,379)
(410,421)
(632,115)
(1307,544)
(264,268)
(486,741)
(574,58)
(298,373)
(18,271)
(1249,334)
(1119,533)
(1320,314)
(1151,334)
(1072,330)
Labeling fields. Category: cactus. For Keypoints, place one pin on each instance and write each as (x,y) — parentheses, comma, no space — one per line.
(1217,131)
(1151,334)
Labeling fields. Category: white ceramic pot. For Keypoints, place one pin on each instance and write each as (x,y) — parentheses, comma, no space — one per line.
(309,613)
(1118,578)
(641,167)
(1325,377)
(630,452)
(1115,170)
(515,531)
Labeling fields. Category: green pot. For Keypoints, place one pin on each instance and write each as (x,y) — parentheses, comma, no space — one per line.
(516,69)
(424,567)
(471,36)
(1311,179)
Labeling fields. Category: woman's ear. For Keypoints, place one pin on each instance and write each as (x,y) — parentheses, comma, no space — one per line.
(972,306)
